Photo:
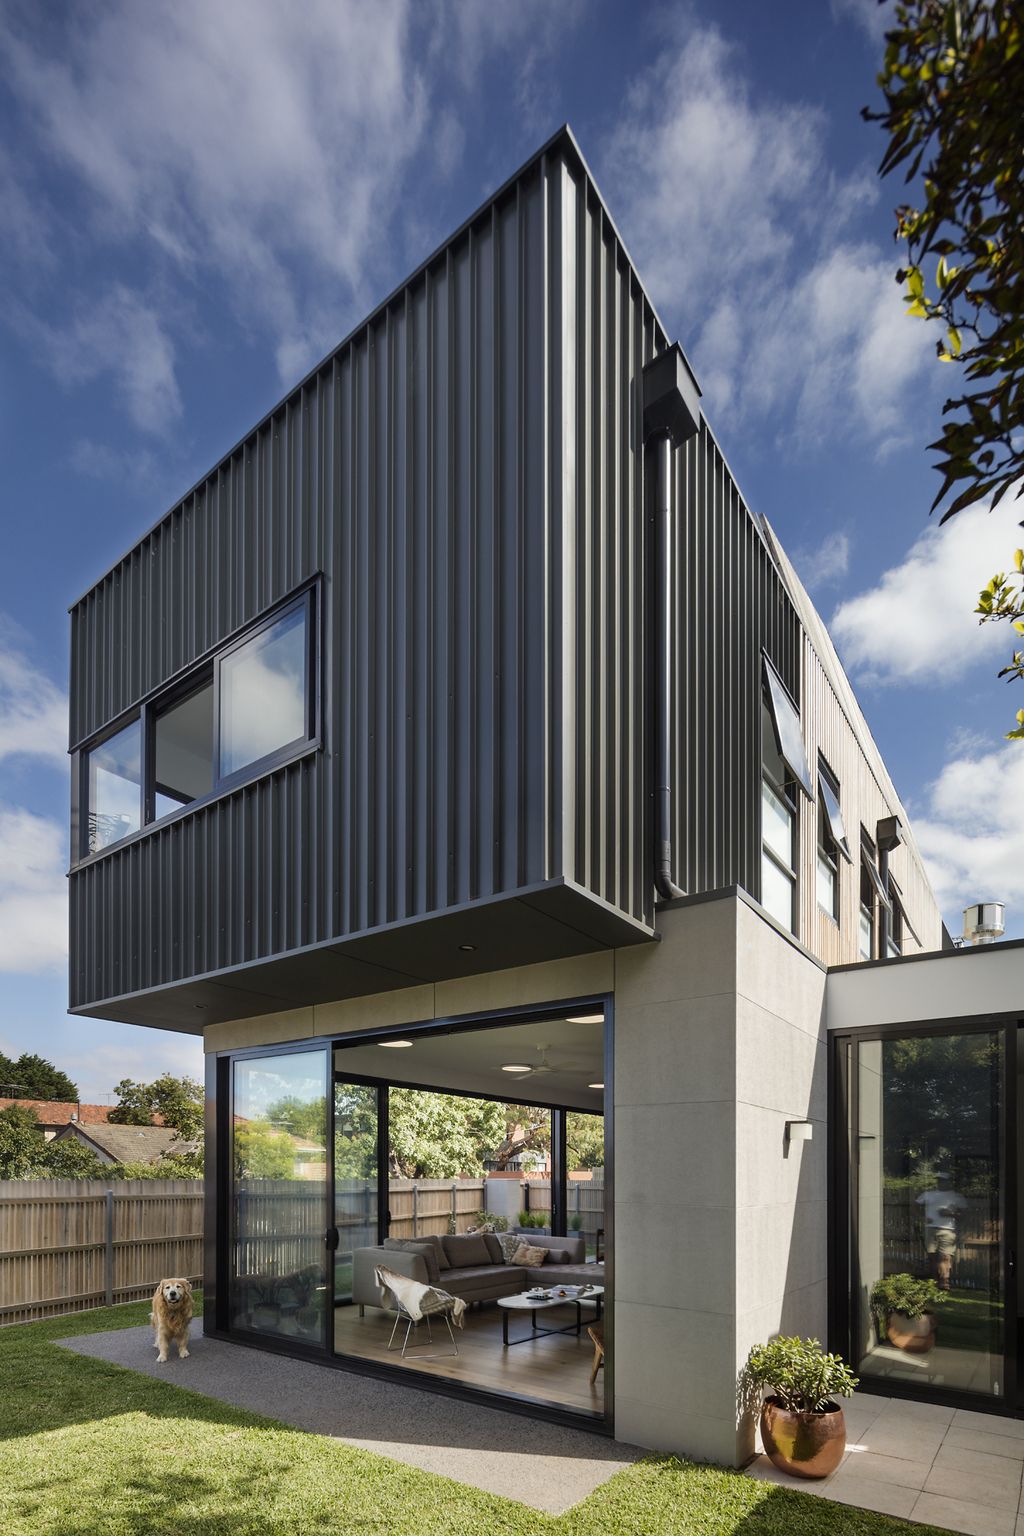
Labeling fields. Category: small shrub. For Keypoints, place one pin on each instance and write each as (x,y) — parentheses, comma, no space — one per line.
(576,1222)
(903,1293)
(800,1374)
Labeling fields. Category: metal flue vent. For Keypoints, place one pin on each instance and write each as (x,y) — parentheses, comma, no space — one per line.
(984,922)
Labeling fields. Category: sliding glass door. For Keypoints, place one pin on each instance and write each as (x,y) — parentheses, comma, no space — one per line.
(282,1231)
(928,1260)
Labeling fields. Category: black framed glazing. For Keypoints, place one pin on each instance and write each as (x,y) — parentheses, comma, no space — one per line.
(204,672)
(844,1123)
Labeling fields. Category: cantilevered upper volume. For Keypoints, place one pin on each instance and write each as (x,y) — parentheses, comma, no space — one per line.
(377,701)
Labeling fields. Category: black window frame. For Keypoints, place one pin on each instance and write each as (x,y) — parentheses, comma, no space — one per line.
(788,792)
(871,886)
(307,598)
(831,835)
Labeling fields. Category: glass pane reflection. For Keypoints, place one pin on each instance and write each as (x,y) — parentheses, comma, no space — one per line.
(115,788)
(929,1203)
(263,693)
(279,1163)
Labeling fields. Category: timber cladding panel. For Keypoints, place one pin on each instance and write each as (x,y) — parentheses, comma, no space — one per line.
(464,475)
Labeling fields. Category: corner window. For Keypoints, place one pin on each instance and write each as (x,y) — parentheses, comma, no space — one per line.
(238,713)
(114,788)
(894,944)
(778,829)
(866,934)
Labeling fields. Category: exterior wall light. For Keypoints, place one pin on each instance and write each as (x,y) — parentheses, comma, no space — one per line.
(799,1130)
(514,1067)
(468,949)
(394,1045)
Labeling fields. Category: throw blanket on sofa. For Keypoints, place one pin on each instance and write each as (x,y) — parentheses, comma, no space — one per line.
(417,1299)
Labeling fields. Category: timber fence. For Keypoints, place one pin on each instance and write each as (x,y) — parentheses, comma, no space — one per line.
(70,1244)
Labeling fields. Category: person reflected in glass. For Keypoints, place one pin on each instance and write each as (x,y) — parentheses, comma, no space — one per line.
(942,1206)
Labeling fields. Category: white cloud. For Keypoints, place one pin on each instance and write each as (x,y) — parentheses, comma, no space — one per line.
(741,231)
(119,334)
(33,893)
(871,15)
(972,834)
(241,138)
(918,622)
(824,566)
(33,710)
(142,1055)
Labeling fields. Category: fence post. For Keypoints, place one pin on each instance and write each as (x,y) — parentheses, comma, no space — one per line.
(108,1265)
(415,1209)
(455,1213)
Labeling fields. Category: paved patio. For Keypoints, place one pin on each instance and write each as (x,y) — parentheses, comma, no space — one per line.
(545,1466)
(946,1466)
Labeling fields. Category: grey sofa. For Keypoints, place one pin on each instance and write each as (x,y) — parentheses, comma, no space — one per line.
(471,1265)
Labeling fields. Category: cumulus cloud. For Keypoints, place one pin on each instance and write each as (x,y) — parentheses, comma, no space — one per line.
(742,232)
(918,622)
(33,710)
(143,1055)
(972,833)
(33,893)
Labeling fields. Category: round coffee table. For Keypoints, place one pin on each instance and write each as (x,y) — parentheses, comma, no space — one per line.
(534,1304)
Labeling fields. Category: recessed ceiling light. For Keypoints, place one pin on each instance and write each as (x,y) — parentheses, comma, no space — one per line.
(468,949)
(586,1018)
(595,1085)
(394,1045)
(515,1067)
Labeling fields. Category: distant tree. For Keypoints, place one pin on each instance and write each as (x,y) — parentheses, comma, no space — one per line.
(179,1100)
(302,1117)
(261,1152)
(584,1141)
(441,1135)
(24,1154)
(33,1077)
(953,81)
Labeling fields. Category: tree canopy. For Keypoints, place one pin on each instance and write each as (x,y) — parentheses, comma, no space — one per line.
(179,1100)
(953,82)
(25,1155)
(33,1077)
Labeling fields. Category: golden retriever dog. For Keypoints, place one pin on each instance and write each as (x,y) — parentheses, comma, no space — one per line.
(171,1315)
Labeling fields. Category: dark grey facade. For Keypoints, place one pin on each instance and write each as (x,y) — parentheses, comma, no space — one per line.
(463,482)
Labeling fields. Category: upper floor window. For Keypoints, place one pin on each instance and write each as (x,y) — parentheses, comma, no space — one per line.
(236,714)
(831,840)
(874,897)
(114,788)
(784,774)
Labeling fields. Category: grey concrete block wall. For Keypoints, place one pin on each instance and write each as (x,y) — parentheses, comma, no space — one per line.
(720,1222)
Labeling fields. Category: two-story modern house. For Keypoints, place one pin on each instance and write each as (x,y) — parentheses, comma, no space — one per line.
(463,732)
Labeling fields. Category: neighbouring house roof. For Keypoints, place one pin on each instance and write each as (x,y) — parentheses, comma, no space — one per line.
(52,1112)
(129,1143)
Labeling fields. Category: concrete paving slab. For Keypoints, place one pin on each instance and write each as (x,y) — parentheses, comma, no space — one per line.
(546,1466)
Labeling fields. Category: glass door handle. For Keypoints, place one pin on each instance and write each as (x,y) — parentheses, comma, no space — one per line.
(332,1238)
(1011,1262)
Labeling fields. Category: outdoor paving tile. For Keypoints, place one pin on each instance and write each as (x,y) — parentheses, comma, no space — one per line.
(972,1441)
(908,1412)
(988,1423)
(866,1493)
(957,1515)
(870,1466)
(765,1472)
(979,1488)
(890,1440)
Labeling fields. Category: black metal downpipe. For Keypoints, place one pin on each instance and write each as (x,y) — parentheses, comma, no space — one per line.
(663,547)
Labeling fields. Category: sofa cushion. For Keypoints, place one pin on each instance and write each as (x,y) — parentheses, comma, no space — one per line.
(573,1274)
(438,1246)
(529,1258)
(414,1245)
(486,1282)
(467,1250)
(508,1243)
(556,1256)
(493,1247)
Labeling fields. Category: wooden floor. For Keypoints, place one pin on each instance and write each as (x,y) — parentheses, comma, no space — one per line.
(553,1369)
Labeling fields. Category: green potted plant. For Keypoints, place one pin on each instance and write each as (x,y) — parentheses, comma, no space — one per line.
(904,1309)
(802,1426)
(575,1222)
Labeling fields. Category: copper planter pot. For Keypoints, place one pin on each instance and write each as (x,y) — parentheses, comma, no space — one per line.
(803,1444)
(914,1334)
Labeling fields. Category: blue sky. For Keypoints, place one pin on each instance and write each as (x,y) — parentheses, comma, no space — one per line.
(198,201)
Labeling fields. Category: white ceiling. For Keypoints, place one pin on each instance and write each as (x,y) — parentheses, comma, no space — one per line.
(472,1060)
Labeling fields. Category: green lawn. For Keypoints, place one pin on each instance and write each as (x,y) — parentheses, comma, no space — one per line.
(89,1449)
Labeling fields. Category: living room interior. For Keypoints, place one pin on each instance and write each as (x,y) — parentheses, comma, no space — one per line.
(532,1091)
